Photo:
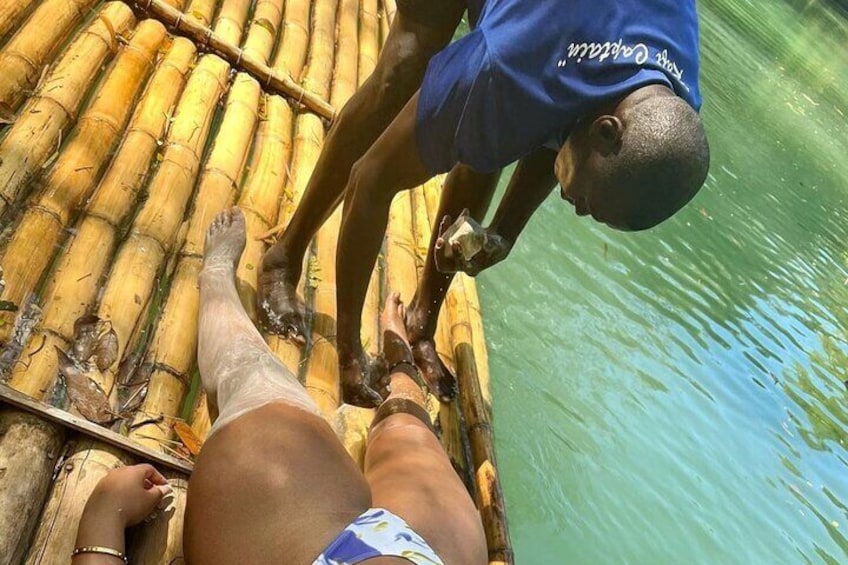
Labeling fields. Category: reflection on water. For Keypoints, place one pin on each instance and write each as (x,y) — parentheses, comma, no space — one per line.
(680,394)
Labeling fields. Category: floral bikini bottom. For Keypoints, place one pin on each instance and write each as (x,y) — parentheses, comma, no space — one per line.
(378,533)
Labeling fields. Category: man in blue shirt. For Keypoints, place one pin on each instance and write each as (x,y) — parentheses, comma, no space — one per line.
(600,95)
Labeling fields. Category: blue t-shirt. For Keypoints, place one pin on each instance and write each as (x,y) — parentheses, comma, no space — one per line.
(531,68)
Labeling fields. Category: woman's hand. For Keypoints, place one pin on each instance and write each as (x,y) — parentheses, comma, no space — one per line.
(128,494)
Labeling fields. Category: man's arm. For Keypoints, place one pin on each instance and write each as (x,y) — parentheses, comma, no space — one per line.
(530,185)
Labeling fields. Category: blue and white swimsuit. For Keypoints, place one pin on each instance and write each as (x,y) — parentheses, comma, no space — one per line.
(378,533)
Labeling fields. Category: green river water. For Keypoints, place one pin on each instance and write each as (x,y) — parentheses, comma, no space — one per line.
(679,396)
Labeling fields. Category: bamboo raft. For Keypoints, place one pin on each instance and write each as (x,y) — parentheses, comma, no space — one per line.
(124,128)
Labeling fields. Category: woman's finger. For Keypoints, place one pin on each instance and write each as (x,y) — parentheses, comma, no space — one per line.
(155,476)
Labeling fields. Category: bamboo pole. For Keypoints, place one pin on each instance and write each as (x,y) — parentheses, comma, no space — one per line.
(37,134)
(202,11)
(481,351)
(115,196)
(12,13)
(33,46)
(309,139)
(229,23)
(262,35)
(460,316)
(84,427)
(263,191)
(291,56)
(490,494)
(89,461)
(73,287)
(271,79)
(346,67)
(201,423)
(390,8)
(172,351)
(265,188)
(369,39)
(29,448)
(322,365)
(77,169)
(454,442)
(320,64)
(154,231)
(370,333)
(389,11)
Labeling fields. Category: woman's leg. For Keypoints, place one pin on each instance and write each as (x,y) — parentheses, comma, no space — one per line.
(411,476)
(272,485)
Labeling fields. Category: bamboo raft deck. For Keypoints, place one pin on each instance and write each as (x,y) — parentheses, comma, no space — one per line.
(124,128)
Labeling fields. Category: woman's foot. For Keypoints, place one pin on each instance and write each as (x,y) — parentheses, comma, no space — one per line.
(281,311)
(392,319)
(225,241)
(400,384)
(221,316)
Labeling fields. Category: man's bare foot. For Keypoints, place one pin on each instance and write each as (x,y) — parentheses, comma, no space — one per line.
(281,311)
(356,377)
(438,377)
(225,240)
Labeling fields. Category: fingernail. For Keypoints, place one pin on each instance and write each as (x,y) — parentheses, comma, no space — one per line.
(167,489)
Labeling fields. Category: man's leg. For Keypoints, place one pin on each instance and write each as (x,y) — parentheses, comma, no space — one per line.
(398,75)
(391,165)
(411,476)
(273,485)
(464,189)
(530,184)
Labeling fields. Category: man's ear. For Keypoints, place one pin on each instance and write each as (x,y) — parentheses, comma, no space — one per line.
(605,134)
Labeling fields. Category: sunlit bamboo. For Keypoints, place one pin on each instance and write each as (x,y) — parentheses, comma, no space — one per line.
(74,285)
(38,132)
(154,231)
(272,80)
(77,169)
(322,368)
(12,13)
(23,59)
(262,35)
(230,21)
(308,141)
(172,349)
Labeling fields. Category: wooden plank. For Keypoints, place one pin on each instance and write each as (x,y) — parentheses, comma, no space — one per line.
(16,399)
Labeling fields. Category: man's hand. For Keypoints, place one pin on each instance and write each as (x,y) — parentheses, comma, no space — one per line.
(450,256)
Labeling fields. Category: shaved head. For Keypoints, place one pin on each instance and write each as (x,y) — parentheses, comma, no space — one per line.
(637,167)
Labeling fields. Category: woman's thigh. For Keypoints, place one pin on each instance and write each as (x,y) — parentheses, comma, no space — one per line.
(274,486)
(411,476)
